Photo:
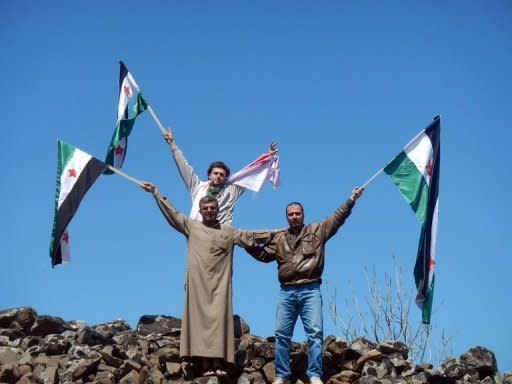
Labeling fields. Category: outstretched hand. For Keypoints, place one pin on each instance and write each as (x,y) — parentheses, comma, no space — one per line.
(356,193)
(168,137)
(149,187)
(272,147)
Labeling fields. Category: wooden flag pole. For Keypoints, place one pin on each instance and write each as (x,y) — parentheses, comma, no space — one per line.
(157,120)
(153,115)
(121,173)
(373,177)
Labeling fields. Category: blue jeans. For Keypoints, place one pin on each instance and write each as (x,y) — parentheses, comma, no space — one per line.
(306,301)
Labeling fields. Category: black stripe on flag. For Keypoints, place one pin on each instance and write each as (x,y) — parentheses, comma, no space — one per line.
(423,261)
(70,205)
(123,72)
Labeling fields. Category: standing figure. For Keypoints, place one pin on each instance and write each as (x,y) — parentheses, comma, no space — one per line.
(299,253)
(207,329)
(217,184)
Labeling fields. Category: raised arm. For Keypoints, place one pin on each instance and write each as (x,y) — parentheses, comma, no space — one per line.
(177,220)
(186,171)
(332,223)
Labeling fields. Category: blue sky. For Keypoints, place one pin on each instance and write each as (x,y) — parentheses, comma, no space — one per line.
(341,85)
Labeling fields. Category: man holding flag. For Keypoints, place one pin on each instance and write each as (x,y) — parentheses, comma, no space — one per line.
(415,171)
(299,253)
(219,185)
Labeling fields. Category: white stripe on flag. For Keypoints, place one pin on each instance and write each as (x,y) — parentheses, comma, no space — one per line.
(433,242)
(128,89)
(71,172)
(419,151)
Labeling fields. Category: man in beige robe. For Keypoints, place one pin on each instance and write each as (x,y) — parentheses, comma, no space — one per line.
(207,329)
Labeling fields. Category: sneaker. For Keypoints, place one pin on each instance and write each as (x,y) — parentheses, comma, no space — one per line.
(280,380)
(315,380)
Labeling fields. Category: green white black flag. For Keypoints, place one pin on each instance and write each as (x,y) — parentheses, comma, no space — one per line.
(131,104)
(76,173)
(415,171)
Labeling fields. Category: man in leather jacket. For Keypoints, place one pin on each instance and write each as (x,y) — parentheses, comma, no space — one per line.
(299,252)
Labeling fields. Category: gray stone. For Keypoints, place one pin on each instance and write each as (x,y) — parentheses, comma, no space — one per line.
(206,380)
(4,341)
(256,378)
(26,379)
(49,376)
(362,345)
(10,355)
(156,376)
(421,378)
(24,316)
(131,377)
(84,368)
(367,380)
(389,347)
(105,377)
(9,373)
(482,360)
(160,324)
(269,370)
(46,325)
(257,362)
(243,379)
(336,347)
(378,369)
(92,337)
(173,370)
(263,349)
(241,327)
(56,345)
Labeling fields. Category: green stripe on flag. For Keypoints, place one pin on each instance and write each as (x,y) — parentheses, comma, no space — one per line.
(426,310)
(410,182)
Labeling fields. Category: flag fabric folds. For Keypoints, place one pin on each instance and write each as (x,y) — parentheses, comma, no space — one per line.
(253,175)
(131,104)
(415,171)
(76,173)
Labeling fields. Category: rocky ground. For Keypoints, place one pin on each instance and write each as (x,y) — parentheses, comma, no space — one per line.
(49,350)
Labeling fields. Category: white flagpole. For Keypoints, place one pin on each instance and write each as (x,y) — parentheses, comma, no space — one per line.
(372,178)
(126,176)
(153,114)
(157,120)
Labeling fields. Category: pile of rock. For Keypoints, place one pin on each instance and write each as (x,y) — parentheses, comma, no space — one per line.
(47,349)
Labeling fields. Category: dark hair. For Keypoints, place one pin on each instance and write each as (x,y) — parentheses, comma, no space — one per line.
(219,164)
(295,203)
(207,199)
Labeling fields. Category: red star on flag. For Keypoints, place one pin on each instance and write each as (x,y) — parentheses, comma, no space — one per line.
(127,90)
(429,167)
(431,264)
(118,150)
(72,172)
(65,237)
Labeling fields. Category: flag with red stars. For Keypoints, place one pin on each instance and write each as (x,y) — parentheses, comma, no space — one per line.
(131,104)
(415,171)
(76,173)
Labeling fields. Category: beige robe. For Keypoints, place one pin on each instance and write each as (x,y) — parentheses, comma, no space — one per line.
(207,328)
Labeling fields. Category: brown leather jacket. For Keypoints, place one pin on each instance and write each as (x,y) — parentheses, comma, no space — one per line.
(300,259)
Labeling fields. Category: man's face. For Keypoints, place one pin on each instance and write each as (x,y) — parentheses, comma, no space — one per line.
(209,211)
(294,216)
(217,176)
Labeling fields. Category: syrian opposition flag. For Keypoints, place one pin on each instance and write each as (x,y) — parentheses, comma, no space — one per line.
(415,171)
(131,104)
(76,173)
(253,175)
